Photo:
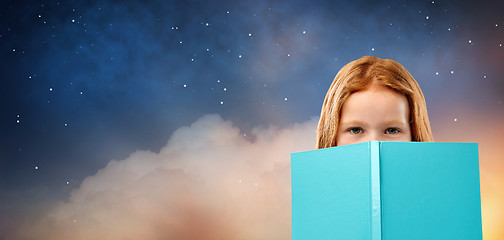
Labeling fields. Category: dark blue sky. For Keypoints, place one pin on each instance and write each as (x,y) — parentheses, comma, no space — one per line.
(82,83)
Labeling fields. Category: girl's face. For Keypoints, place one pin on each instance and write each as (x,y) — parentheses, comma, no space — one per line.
(377,113)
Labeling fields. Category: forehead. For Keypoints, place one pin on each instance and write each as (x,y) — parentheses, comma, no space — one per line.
(380,103)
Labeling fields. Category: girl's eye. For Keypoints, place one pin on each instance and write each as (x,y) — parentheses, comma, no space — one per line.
(355,130)
(391,131)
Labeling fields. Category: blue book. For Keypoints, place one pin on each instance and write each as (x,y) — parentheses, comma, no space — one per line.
(387,190)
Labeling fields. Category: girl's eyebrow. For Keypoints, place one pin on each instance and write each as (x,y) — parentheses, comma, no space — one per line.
(360,123)
(394,122)
(353,122)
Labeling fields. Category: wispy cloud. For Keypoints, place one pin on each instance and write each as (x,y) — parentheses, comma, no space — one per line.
(209,182)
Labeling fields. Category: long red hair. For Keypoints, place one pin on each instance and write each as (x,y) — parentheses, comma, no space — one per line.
(358,75)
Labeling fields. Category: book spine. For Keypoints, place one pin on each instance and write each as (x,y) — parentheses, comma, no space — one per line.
(375,191)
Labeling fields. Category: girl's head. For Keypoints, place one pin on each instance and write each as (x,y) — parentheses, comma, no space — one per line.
(373,99)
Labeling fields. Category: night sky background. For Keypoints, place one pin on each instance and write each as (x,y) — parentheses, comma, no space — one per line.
(153,119)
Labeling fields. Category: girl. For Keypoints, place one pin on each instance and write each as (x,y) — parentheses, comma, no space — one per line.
(373,99)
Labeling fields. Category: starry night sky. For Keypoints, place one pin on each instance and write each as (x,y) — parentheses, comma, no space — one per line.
(86,84)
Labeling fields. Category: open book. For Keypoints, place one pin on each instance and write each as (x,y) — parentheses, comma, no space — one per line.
(387,190)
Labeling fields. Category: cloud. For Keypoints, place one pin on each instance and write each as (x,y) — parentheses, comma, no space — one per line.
(209,182)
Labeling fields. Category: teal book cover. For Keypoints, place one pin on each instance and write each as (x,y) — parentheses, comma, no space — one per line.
(387,191)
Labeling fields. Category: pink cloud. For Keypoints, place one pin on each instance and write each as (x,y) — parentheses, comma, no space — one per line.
(208,182)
